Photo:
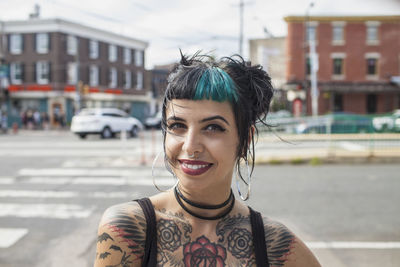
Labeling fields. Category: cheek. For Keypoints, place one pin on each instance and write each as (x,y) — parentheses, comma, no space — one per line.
(172,146)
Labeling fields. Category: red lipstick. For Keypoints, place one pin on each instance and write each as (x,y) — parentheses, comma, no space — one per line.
(194,167)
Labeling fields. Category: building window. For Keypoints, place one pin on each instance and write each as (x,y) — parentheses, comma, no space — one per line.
(127,56)
(112,75)
(139,80)
(72,45)
(371,103)
(372,33)
(311,33)
(42,43)
(138,58)
(93,75)
(15,44)
(127,79)
(337,66)
(72,73)
(112,53)
(42,72)
(372,66)
(93,49)
(16,73)
(308,66)
(337,102)
(338,35)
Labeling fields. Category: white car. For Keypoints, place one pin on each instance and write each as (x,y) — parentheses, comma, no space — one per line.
(104,121)
(388,123)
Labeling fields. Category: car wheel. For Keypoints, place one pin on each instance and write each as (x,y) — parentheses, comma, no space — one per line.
(134,131)
(82,135)
(106,133)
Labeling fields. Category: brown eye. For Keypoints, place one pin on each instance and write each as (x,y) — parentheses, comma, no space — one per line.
(215,128)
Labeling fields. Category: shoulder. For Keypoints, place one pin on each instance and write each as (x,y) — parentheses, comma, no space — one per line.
(284,248)
(121,236)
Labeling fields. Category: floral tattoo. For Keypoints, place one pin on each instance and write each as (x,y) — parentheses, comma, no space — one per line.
(204,253)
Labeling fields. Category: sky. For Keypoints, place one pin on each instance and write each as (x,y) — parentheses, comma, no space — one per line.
(211,26)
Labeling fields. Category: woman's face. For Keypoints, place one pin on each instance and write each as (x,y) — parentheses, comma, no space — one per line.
(207,130)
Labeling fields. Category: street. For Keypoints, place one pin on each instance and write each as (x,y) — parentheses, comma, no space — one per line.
(54,188)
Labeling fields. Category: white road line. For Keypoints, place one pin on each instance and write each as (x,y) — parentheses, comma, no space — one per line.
(353,245)
(162,181)
(7,180)
(53,211)
(90,172)
(9,236)
(352,146)
(65,194)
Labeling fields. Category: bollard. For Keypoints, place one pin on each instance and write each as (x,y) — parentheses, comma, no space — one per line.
(15,128)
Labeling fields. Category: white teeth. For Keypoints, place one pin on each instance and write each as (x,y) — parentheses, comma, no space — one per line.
(194,167)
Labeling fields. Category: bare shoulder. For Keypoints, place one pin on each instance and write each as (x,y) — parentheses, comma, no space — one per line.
(121,236)
(284,248)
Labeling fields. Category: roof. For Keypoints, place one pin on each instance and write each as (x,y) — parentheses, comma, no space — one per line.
(73,28)
(381,18)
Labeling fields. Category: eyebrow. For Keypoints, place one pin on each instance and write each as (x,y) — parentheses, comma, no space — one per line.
(217,117)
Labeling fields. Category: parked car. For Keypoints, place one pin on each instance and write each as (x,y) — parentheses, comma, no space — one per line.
(154,122)
(339,122)
(104,121)
(388,122)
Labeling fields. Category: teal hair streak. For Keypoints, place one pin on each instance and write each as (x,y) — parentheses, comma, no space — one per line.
(217,85)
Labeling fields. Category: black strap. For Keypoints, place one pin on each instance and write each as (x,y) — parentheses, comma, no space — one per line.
(150,250)
(257,229)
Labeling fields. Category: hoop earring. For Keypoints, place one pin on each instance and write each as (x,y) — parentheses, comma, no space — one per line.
(244,198)
(154,178)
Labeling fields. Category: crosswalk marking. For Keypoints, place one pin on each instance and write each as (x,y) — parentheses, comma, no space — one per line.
(9,236)
(65,194)
(56,172)
(162,181)
(353,245)
(7,180)
(52,211)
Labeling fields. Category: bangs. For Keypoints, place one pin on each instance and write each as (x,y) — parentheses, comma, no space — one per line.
(201,81)
(217,85)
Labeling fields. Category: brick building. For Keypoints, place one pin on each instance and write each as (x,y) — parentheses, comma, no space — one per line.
(358,58)
(58,66)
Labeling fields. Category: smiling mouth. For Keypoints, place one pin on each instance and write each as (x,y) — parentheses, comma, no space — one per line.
(194,167)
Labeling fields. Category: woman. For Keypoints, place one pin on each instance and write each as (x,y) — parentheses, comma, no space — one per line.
(209,122)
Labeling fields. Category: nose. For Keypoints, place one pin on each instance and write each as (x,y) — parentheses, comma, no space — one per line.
(192,143)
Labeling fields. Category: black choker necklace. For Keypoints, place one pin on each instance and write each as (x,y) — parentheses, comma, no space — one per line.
(201,206)
(231,198)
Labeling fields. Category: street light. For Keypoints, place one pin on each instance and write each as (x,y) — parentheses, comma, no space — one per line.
(313,64)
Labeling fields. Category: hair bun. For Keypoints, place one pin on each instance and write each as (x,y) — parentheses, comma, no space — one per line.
(253,83)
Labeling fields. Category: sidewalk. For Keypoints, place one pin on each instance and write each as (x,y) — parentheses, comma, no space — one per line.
(339,148)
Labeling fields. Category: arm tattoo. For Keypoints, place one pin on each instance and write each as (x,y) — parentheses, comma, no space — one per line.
(125,262)
(131,230)
(279,242)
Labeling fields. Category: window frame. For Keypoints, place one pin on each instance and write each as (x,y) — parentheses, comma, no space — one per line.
(93,75)
(139,80)
(16,44)
(127,56)
(39,74)
(72,45)
(139,58)
(112,53)
(93,49)
(14,73)
(72,71)
(42,41)
(113,77)
(127,79)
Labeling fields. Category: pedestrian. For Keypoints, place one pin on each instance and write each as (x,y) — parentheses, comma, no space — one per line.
(45,120)
(37,120)
(209,117)
(3,122)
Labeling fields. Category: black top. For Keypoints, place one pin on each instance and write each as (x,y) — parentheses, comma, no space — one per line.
(150,253)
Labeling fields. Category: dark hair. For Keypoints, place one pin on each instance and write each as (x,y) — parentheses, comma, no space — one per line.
(248,88)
